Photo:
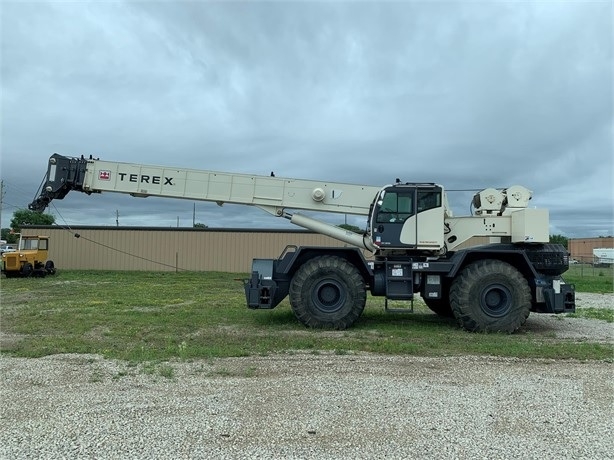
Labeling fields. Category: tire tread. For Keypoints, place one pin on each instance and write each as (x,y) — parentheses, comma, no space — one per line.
(300,301)
(468,312)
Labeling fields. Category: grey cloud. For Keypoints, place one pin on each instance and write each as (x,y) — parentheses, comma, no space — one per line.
(469,95)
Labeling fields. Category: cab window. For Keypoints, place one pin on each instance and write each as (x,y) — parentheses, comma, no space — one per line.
(29,244)
(395,207)
(428,199)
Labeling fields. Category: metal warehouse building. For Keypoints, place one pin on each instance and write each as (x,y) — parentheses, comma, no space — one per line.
(581,249)
(170,249)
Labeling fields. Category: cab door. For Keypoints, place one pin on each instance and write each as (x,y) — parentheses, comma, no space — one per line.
(392,208)
(424,229)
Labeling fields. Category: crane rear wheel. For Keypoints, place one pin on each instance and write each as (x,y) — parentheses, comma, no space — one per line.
(490,296)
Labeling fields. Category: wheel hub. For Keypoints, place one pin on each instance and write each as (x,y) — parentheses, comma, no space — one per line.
(496,300)
(328,296)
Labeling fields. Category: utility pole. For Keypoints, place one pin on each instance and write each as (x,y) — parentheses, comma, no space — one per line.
(1,199)
(117,217)
(194,216)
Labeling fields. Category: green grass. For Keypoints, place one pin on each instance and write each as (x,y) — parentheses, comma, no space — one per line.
(594,313)
(146,317)
(590,279)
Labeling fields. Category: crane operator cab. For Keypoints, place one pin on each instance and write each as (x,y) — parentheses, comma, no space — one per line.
(408,217)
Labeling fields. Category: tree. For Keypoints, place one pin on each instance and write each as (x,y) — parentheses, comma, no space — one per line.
(559,239)
(8,236)
(23,217)
(199,225)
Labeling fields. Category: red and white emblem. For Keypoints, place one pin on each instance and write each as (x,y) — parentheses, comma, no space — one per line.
(104,175)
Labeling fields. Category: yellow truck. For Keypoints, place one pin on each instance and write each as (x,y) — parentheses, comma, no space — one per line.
(30,258)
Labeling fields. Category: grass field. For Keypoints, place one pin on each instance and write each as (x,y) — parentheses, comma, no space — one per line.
(142,317)
(590,279)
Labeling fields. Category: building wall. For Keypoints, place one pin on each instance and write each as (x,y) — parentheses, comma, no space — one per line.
(581,249)
(170,249)
(109,248)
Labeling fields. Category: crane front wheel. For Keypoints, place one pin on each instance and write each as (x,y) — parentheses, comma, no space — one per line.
(327,292)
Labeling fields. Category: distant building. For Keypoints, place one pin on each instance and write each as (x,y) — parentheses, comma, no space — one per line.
(581,249)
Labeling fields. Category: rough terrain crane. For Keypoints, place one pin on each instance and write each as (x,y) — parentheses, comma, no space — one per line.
(412,236)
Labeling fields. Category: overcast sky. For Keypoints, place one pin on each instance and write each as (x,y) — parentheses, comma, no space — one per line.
(466,94)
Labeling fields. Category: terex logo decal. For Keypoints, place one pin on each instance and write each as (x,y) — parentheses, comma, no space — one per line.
(104,175)
(145,179)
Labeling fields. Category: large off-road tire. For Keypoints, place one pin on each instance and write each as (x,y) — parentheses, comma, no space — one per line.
(490,296)
(327,292)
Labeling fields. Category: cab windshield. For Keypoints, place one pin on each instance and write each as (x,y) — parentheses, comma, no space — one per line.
(32,244)
(395,207)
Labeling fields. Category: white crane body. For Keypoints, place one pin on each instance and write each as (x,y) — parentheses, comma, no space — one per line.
(411,232)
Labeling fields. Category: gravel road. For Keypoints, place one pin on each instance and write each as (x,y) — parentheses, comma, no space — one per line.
(320,406)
